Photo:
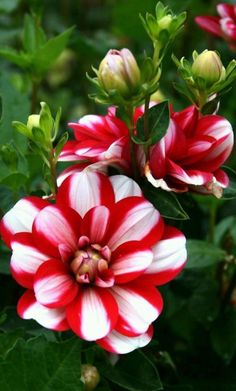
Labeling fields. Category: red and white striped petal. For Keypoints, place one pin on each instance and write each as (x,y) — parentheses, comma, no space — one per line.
(221,178)
(228,27)
(68,152)
(69,171)
(84,190)
(134,218)
(29,308)
(96,223)
(55,226)
(121,344)
(138,307)
(20,218)
(190,177)
(170,255)
(54,286)
(93,314)
(129,261)
(226,10)
(211,24)
(124,186)
(26,259)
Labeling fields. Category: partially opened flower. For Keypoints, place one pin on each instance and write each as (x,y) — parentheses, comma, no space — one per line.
(223,26)
(190,154)
(90,262)
(98,138)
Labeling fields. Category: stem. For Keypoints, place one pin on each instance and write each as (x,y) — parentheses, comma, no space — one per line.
(53,172)
(130,111)
(146,124)
(34,96)
(212,222)
(229,292)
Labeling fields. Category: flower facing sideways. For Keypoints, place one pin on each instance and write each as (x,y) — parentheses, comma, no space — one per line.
(191,153)
(223,25)
(91,261)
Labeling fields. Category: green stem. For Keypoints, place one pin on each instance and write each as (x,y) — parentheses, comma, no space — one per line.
(146,124)
(229,292)
(212,222)
(130,116)
(53,172)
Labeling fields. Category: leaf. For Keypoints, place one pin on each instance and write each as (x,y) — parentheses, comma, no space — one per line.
(40,365)
(230,191)
(158,121)
(8,5)
(227,225)
(202,254)
(165,202)
(8,341)
(14,181)
(15,106)
(48,53)
(20,59)
(223,335)
(134,372)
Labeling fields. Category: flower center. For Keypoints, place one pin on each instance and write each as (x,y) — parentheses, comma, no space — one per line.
(90,262)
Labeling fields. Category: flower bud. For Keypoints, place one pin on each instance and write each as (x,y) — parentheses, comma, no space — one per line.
(33,121)
(165,22)
(119,71)
(209,67)
(89,376)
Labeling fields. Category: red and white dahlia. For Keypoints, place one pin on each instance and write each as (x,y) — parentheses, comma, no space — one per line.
(190,154)
(223,26)
(98,138)
(90,262)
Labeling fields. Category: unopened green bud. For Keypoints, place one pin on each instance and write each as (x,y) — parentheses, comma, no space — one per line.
(33,121)
(119,71)
(209,67)
(165,22)
(89,376)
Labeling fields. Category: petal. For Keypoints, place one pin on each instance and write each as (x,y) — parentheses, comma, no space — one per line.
(84,190)
(191,177)
(70,170)
(26,259)
(69,153)
(221,178)
(120,344)
(29,308)
(129,261)
(170,255)
(53,285)
(95,224)
(226,10)
(124,186)
(54,226)
(138,220)
(138,307)
(93,314)
(211,24)
(20,218)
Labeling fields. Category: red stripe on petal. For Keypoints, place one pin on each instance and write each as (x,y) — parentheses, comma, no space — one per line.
(139,305)
(210,24)
(130,260)
(84,190)
(121,344)
(26,259)
(170,255)
(95,224)
(93,314)
(20,218)
(53,285)
(134,218)
(54,226)
(29,308)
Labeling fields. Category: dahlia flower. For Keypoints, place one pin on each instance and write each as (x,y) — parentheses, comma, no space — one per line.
(90,261)
(190,154)
(223,26)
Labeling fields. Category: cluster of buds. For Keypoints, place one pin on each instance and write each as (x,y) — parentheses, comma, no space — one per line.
(120,80)
(205,79)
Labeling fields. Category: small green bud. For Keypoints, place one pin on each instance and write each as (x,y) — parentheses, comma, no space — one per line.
(89,376)
(33,121)
(209,67)
(119,71)
(165,22)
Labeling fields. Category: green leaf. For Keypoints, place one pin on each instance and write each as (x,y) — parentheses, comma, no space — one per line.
(158,121)
(223,335)
(29,41)
(48,53)
(20,59)
(165,202)
(8,5)
(14,181)
(40,365)
(227,225)
(61,144)
(202,254)
(8,341)
(134,372)
(230,191)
